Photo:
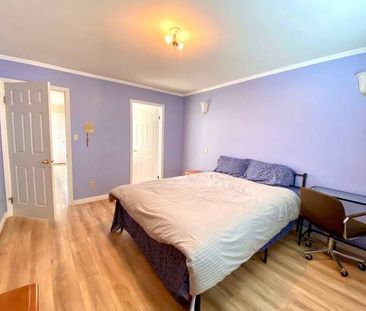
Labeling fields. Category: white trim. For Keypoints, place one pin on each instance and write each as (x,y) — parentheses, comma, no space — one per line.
(70,190)
(161,142)
(10,80)
(82,73)
(3,220)
(161,136)
(283,69)
(52,216)
(90,199)
(252,77)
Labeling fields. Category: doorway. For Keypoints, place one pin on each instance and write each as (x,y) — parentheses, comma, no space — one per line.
(61,166)
(27,145)
(147,141)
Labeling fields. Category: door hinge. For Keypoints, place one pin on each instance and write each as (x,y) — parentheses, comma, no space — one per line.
(158,117)
(4,99)
(11,199)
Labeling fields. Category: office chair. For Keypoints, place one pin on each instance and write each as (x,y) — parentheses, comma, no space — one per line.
(328,214)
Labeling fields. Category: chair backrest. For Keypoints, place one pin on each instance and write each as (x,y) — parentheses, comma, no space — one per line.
(323,211)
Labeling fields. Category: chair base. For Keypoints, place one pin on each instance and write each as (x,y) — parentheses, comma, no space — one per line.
(334,254)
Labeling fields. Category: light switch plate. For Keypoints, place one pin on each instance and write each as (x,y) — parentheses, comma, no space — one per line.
(75,137)
(92,184)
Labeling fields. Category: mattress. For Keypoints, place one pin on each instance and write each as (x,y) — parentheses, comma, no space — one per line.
(216,221)
(169,263)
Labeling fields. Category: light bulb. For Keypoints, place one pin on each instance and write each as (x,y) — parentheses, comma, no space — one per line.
(180,45)
(168,39)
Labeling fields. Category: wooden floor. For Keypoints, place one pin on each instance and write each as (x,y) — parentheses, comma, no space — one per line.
(80,266)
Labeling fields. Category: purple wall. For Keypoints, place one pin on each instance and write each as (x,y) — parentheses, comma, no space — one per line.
(312,119)
(107,160)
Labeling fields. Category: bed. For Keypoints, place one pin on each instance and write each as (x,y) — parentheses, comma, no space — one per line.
(195,230)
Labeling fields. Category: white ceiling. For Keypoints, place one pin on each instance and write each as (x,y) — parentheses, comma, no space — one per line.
(225,40)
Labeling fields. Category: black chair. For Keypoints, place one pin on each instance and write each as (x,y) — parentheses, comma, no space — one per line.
(328,214)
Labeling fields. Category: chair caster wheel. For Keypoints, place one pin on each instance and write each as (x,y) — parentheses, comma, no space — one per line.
(344,273)
(308,257)
(308,244)
(361,266)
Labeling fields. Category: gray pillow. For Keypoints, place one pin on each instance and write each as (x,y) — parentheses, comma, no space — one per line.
(232,166)
(269,174)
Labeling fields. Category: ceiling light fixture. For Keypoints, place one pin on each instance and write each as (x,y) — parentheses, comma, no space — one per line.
(172,38)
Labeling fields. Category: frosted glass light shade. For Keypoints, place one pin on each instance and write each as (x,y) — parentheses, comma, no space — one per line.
(168,39)
(205,106)
(361,76)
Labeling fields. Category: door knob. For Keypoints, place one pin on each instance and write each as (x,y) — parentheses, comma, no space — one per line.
(46,161)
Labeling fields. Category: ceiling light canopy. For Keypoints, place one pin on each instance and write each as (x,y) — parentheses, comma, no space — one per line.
(172,38)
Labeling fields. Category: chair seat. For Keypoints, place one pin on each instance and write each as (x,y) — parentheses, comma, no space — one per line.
(355,228)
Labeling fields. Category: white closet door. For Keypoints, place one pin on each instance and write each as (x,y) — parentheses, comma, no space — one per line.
(145,145)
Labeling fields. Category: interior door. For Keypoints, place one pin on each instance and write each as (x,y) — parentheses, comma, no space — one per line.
(146,137)
(29,137)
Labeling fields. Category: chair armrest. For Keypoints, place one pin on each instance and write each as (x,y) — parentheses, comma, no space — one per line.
(345,221)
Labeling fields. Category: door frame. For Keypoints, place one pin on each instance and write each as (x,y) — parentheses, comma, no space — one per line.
(70,193)
(5,146)
(161,136)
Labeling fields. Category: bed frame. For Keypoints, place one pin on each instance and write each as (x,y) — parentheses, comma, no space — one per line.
(303,177)
(169,263)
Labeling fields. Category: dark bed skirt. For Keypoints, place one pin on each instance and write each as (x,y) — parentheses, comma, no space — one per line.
(167,261)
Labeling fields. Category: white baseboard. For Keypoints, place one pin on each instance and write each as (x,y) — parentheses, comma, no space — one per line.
(90,199)
(3,220)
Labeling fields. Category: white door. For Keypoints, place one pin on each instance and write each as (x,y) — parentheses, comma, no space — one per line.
(27,116)
(146,142)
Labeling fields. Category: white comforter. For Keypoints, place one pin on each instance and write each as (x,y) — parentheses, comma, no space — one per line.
(217,221)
